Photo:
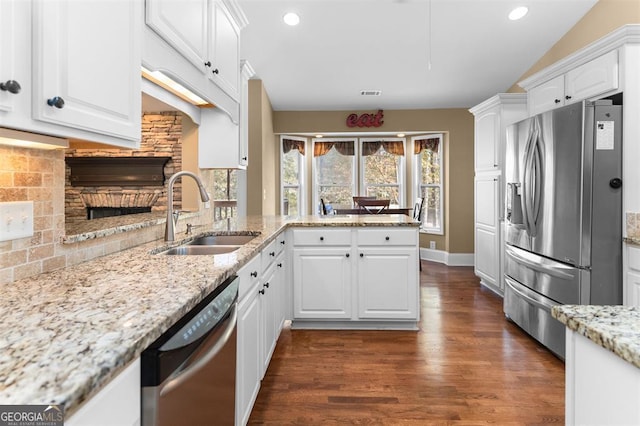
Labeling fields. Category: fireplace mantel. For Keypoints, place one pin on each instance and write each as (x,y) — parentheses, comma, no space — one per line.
(117,171)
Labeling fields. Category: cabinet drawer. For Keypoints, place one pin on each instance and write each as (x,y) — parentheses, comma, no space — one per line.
(388,237)
(321,237)
(281,242)
(268,255)
(634,258)
(249,275)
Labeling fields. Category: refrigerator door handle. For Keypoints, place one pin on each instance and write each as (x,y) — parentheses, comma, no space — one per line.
(536,265)
(525,182)
(538,168)
(528,295)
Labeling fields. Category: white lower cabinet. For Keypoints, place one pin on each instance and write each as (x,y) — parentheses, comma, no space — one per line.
(600,387)
(261,314)
(631,290)
(386,283)
(356,277)
(118,403)
(322,282)
(248,364)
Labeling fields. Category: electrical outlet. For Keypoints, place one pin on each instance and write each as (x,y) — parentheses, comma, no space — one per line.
(16,220)
(432,245)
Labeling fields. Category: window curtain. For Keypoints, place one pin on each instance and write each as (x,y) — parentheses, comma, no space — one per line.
(344,148)
(289,144)
(392,147)
(420,145)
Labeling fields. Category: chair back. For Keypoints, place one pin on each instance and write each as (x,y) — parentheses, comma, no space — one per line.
(323,207)
(374,206)
(417,209)
(358,200)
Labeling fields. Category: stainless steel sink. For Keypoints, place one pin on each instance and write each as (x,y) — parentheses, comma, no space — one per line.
(200,250)
(221,240)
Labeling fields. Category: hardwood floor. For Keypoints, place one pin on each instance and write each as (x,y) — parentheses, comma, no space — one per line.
(466,366)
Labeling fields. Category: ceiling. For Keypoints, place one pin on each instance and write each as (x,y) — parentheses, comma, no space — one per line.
(342,47)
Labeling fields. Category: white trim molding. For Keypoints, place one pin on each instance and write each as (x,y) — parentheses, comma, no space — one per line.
(449,259)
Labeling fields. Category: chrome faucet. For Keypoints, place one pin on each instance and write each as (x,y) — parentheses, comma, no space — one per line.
(170,230)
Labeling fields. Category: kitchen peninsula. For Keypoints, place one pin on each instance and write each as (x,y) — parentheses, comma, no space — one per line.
(71,331)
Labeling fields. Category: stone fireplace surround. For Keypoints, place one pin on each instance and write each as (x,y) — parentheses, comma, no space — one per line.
(161,137)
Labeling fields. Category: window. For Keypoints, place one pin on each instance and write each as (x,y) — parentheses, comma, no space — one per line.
(292,175)
(225,193)
(382,169)
(334,172)
(428,153)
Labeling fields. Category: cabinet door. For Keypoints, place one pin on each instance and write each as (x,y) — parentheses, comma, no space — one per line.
(268,308)
(632,291)
(14,23)
(547,96)
(487,256)
(593,78)
(183,25)
(322,283)
(86,65)
(281,294)
(122,392)
(249,366)
(218,140)
(487,139)
(225,50)
(388,283)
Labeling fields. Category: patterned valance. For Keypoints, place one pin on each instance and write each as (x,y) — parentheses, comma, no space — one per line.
(392,147)
(420,145)
(289,144)
(343,147)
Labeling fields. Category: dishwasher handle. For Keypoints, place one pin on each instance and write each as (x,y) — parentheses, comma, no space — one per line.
(210,348)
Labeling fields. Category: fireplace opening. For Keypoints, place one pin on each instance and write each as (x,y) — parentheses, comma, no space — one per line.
(98,212)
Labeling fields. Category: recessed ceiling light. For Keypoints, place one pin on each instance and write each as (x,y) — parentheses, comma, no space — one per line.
(400,135)
(291,18)
(518,13)
(319,136)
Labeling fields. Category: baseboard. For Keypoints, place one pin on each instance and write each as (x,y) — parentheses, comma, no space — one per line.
(449,259)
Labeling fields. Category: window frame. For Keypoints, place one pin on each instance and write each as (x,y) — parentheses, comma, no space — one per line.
(401,185)
(302,189)
(418,185)
(314,167)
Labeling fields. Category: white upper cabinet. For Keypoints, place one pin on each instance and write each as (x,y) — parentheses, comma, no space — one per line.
(86,65)
(593,78)
(13,14)
(547,96)
(184,25)
(596,77)
(205,33)
(77,65)
(224,50)
(487,135)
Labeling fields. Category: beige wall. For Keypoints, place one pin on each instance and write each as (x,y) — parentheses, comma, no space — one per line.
(263,170)
(604,17)
(457,126)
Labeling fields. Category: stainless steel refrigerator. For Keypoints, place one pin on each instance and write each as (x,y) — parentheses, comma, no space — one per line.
(563,227)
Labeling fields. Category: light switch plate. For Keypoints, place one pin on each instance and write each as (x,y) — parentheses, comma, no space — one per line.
(16,220)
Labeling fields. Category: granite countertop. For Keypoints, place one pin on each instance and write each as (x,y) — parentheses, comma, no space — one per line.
(66,333)
(616,328)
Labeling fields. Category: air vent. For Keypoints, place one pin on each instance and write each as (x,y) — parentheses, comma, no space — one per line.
(371,92)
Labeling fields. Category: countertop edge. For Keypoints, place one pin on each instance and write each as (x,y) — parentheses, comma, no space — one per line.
(615,328)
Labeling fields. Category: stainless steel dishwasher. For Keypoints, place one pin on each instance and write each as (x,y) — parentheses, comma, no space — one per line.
(189,373)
